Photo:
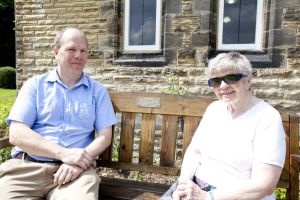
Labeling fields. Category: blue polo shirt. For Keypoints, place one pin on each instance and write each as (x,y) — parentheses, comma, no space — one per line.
(65,116)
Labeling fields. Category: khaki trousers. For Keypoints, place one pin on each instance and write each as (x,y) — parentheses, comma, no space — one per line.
(24,180)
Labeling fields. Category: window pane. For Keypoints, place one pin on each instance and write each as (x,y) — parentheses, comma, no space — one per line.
(136,22)
(231,22)
(142,22)
(239,21)
(149,22)
(248,21)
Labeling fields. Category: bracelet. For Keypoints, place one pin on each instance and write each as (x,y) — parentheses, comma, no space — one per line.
(210,196)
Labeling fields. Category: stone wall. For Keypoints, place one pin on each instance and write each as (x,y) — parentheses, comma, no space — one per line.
(188,38)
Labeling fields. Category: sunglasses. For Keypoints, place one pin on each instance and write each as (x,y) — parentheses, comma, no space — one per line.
(229,79)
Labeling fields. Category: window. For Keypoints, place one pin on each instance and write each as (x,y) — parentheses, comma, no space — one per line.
(142,30)
(240,25)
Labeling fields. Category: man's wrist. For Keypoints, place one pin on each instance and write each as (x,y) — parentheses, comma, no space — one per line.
(210,196)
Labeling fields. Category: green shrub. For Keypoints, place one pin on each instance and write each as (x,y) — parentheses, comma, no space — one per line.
(174,88)
(8,77)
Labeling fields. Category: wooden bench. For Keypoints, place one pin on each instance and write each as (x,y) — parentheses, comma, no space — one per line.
(174,119)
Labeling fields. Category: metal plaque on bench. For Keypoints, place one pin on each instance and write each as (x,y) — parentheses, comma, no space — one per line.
(148,102)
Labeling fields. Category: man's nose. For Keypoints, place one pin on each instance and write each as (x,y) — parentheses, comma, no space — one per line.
(78,54)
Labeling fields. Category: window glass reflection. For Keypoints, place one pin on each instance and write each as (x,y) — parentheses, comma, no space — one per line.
(142,22)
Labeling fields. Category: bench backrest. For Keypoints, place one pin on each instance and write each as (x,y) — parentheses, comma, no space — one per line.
(170,109)
(142,116)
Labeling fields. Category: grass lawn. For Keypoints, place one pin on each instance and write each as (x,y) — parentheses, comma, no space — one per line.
(7,98)
(7,94)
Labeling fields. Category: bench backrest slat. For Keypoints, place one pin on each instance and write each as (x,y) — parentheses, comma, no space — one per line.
(147,139)
(127,137)
(168,140)
(157,103)
(190,126)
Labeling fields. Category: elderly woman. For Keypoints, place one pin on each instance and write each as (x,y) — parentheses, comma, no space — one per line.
(238,150)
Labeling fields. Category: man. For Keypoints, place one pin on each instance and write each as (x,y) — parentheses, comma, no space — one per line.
(52,125)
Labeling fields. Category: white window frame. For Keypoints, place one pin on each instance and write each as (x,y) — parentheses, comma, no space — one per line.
(152,48)
(258,30)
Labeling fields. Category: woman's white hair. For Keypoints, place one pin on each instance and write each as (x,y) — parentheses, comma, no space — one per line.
(231,60)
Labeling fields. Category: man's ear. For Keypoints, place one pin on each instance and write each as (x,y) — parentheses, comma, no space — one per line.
(55,51)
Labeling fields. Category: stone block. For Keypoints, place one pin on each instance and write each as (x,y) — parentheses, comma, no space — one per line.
(293,52)
(196,72)
(270,93)
(173,6)
(290,83)
(291,14)
(186,7)
(186,23)
(173,40)
(201,5)
(284,105)
(186,81)
(131,88)
(171,56)
(200,39)
(175,71)
(152,71)
(292,94)
(43,62)
(205,21)
(107,9)
(284,37)
(123,79)
(147,79)
(105,79)
(186,56)
(293,63)
(201,80)
(275,19)
(135,71)
(107,41)
(287,4)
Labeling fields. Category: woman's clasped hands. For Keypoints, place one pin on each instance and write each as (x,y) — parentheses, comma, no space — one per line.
(188,190)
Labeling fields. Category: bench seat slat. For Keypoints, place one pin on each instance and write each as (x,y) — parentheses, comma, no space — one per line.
(126,189)
(172,171)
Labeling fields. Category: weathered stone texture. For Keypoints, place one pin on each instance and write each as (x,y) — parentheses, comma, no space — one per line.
(274,93)
(187,38)
(186,23)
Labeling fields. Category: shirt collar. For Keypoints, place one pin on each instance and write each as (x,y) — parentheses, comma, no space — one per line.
(53,77)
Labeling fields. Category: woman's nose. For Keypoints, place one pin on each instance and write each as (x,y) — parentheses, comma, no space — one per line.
(223,84)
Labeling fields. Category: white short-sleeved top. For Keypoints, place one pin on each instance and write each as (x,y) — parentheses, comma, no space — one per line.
(229,146)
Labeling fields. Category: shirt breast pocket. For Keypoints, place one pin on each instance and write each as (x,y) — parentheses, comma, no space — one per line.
(84,114)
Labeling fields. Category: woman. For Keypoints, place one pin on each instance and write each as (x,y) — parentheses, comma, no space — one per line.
(238,150)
